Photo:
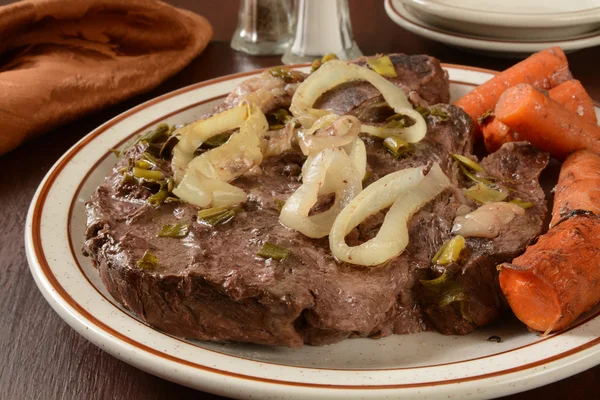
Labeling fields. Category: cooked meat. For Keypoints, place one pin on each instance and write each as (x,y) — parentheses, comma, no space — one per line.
(212,286)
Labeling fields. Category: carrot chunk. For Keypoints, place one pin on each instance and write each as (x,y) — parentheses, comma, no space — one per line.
(571,94)
(578,185)
(546,123)
(557,279)
(543,70)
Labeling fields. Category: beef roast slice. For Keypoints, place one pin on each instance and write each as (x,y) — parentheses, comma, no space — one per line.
(212,286)
(420,76)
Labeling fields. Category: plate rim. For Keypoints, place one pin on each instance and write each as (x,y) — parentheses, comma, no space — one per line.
(517,20)
(34,249)
(424,29)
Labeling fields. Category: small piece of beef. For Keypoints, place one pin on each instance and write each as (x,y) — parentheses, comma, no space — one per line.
(420,76)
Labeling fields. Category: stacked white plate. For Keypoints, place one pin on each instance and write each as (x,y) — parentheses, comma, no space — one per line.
(512,27)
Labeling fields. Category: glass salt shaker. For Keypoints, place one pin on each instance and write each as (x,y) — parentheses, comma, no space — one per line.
(322,27)
(264,27)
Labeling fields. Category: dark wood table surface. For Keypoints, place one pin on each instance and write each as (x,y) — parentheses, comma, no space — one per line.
(41,357)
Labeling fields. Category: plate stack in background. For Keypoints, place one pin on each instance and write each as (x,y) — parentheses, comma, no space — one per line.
(508,27)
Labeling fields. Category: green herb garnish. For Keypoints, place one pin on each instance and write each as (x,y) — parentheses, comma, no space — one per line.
(279,204)
(174,231)
(521,203)
(270,250)
(396,146)
(383,66)
(146,174)
(447,289)
(485,194)
(148,261)
(217,215)
(166,150)
(441,115)
(288,75)
(158,134)
(217,140)
(450,251)
(467,162)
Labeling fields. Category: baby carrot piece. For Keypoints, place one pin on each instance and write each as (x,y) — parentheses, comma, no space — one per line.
(578,185)
(571,94)
(543,70)
(546,123)
(557,279)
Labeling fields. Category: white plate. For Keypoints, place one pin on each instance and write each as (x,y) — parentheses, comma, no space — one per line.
(399,13)
(404,366)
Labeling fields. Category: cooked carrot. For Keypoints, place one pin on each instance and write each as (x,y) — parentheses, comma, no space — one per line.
(578,185)
(558,278)
(571,94)
(546,123)
(542,70)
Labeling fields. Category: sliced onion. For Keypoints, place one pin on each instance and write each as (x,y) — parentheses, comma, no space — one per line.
(193,135)
(192,190)
(334,165)
(274,143)
(358,155)
(487,221)
(330,132)
(224,194)
(406,191)
(334,73)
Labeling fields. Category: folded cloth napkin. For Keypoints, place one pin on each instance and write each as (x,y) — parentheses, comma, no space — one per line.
(60,59)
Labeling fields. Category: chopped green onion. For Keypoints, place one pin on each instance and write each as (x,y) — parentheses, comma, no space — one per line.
(270,250)
(383,66)
(148,261)
(464,312)
(452,293)
(474,177)
(158,134)
(485,194)
(217,215)
(115,152)
(450,251)
(467,162)
(399,121)
(216,140)
(143,164)
(448,289)
(174,231)
(172,199)
(441,115)
(159,197)
(489,113)
(128,179)
(521,203)
(278,118)
(279,204)
(150,158)
(329,57)
(395,146)
(288,75)
(146,174)
(166,150)
(423,111)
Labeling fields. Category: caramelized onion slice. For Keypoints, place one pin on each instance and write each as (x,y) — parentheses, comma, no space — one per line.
(406,191)
(193,135)
(328,131)
(336,72)
(330,167)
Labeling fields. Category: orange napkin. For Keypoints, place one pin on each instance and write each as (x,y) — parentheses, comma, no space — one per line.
(60,59)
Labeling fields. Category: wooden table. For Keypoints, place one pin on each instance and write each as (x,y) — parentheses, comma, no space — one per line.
(43,358)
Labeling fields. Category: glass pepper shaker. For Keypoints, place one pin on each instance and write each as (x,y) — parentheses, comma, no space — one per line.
(264,27)
(322,27)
